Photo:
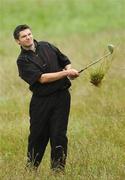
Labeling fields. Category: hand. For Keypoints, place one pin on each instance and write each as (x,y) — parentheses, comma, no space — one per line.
(72,73)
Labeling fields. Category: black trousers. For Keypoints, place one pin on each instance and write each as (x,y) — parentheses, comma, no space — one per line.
(49,121)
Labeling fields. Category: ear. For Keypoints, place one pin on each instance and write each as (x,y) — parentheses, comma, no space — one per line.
(17,41)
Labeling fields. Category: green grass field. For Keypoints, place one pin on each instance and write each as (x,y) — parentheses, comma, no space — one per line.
(82,29)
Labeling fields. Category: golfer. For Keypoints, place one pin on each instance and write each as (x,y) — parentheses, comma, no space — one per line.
(47,71)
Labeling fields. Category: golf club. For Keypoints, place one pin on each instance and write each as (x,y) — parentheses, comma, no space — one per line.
(110,48)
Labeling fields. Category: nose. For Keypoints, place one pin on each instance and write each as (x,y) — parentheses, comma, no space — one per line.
(27,37)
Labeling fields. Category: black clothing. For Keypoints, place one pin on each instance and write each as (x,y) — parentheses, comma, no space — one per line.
(50,103)
(46,59)
(49,120)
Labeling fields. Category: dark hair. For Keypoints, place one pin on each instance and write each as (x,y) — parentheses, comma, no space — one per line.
(18,29)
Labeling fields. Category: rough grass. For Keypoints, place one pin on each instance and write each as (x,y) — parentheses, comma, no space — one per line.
(96,134)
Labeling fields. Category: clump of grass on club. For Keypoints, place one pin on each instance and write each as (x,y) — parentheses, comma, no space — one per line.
(96,76)
(98,73)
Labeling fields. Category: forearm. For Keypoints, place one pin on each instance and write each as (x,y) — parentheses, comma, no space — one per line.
(50,77)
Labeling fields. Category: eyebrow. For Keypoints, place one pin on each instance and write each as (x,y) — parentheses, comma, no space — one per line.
(26,35)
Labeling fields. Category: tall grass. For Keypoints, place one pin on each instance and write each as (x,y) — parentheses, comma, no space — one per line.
(81,29)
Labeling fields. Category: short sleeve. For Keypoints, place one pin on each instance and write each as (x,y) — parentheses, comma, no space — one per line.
(28,71)
(63,59)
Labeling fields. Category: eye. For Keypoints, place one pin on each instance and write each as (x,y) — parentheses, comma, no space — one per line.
(24,36)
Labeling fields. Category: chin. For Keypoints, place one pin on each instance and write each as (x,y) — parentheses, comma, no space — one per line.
(29,45)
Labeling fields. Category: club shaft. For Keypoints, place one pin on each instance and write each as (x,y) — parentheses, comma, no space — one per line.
(94,62)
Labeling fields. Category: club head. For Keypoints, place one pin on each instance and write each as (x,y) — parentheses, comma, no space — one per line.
(111,48)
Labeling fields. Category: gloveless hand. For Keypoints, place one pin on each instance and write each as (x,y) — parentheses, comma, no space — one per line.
(72,73)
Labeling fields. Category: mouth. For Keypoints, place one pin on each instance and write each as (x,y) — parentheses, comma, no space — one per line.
(29,42)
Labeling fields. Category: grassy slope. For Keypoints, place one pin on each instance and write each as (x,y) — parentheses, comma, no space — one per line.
(82,29)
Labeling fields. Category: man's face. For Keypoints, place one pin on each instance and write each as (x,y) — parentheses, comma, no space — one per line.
(25,38)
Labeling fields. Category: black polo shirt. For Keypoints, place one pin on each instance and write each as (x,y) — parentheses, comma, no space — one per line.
(46,59)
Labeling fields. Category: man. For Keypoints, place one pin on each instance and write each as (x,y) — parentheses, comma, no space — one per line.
(47,71)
